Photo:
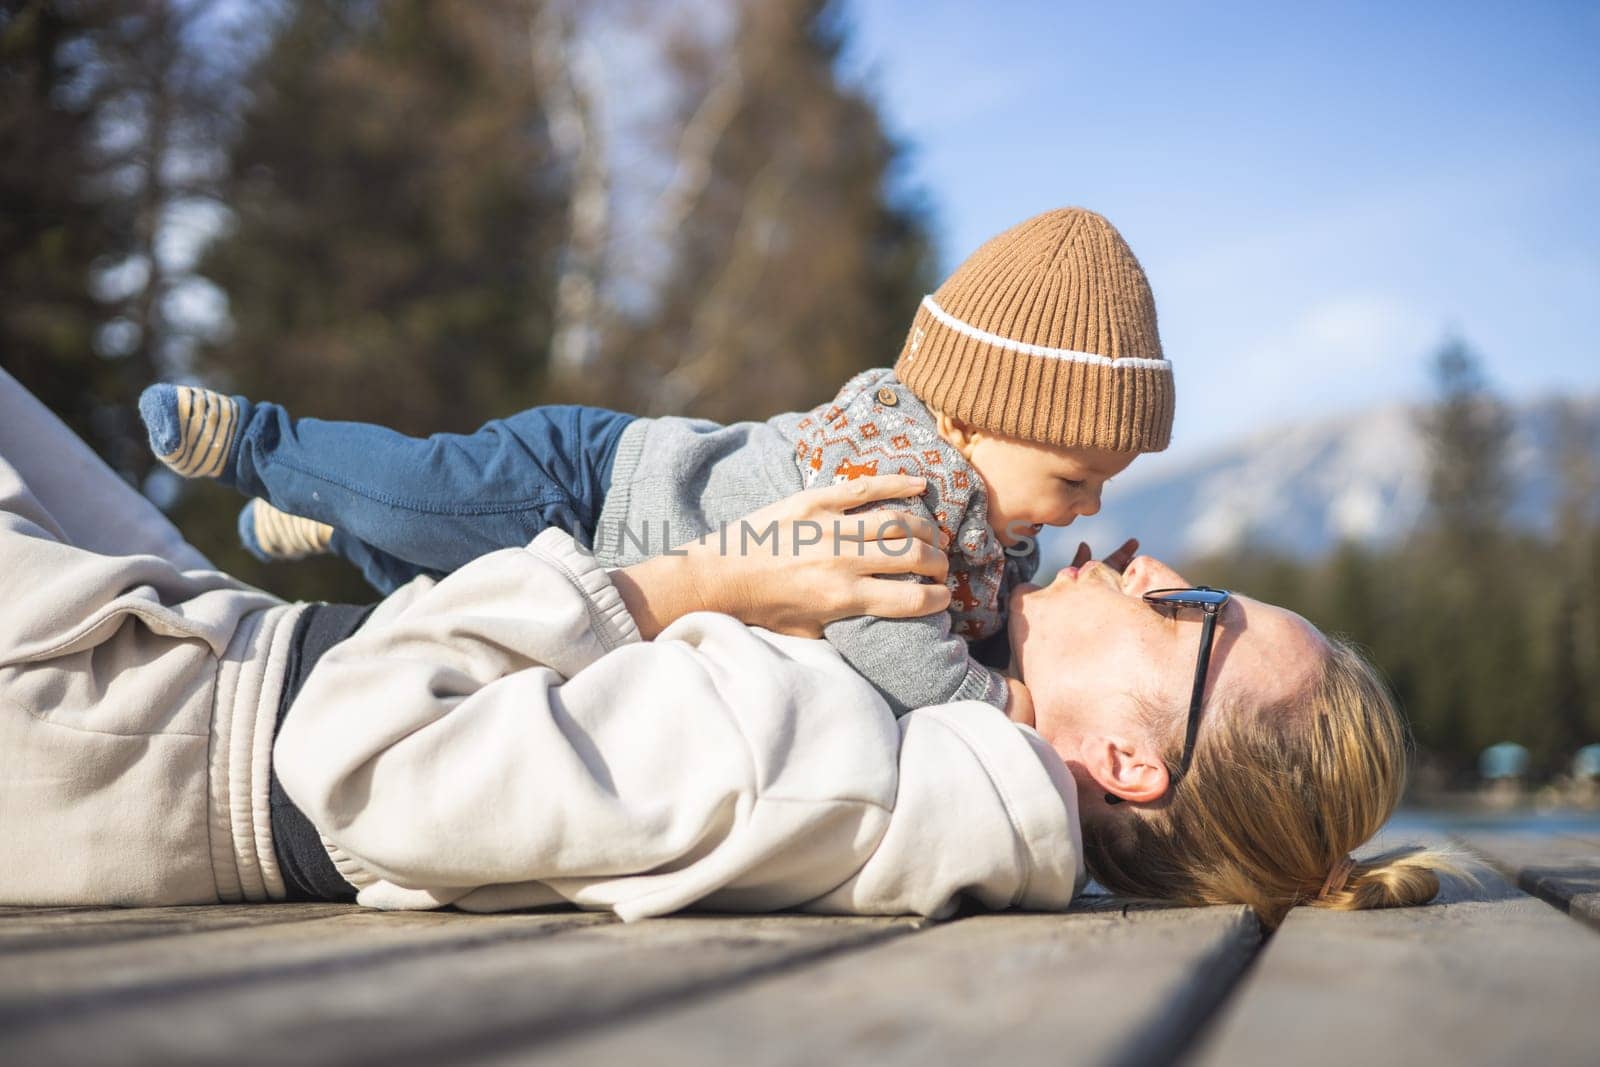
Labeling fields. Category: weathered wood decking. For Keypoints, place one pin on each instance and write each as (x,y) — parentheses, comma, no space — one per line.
(1506,972)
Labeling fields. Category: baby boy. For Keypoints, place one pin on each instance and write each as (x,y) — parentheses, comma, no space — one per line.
(1032,376)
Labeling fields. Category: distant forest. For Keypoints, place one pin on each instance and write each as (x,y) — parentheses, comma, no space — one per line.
(431,213)
(1487,632)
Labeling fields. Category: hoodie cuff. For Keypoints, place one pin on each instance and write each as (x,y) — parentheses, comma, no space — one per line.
(607,612)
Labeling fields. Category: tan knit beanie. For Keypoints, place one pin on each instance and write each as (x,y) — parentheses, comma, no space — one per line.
(1048,333)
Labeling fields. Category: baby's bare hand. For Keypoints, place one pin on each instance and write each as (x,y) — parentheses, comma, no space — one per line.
(1117,561)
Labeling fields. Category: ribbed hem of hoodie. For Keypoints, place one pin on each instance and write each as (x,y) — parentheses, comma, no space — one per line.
(249,683)
(613,624)
(373,892)
(348,868)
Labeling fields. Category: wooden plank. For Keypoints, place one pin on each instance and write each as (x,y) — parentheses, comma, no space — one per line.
(82,977)
(10,911)
(1561,870)
(1483,976)
(50,928)
(1090,987)
(330,991)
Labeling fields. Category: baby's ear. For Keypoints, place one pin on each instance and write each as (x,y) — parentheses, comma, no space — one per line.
(958,433)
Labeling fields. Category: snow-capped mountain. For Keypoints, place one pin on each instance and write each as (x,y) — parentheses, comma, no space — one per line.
(1303,488)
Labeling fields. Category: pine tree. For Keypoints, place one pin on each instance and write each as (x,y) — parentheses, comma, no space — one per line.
(1473,622)
(794,260)
(394,225)
(51,233)
(165,94)
(1574,629)
(109,124)
(1467,431)
(394,218)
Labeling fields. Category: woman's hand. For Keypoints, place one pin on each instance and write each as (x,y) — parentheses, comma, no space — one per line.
(799,563)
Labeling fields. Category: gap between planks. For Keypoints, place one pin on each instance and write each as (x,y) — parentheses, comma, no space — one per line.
(1562,870)
(1104,986)
(1484,975)
(45,928)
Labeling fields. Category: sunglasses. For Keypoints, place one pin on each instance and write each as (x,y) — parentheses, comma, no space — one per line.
(1209,601)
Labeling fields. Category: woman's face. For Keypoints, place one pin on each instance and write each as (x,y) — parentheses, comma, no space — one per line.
(1088,647)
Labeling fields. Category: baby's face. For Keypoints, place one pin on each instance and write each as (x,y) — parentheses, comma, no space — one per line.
(1032,486)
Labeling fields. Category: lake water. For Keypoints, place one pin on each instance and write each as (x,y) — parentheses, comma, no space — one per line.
(1528,821)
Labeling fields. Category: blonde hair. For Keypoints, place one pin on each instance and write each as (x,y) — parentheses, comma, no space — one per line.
(1274,800)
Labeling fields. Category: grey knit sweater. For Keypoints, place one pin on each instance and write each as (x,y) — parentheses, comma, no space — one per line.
(676,479)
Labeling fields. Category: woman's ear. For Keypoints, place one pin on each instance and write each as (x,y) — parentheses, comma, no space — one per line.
(1125,768)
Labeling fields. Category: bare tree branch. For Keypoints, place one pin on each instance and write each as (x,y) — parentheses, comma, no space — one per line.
(571,86)
(701,136)
(710,348)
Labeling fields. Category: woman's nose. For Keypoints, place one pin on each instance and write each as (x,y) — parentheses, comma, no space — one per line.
(1146,573)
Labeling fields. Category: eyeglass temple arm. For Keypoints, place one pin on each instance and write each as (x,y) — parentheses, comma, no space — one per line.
(1208,629)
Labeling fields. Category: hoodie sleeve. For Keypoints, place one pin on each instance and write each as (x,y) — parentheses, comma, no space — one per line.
(506,727)
(502,738)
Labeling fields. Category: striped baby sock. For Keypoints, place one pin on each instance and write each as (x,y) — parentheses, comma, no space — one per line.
(270,534)
(191,430)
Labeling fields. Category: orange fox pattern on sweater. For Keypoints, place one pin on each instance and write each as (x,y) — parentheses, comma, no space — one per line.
(875,425)
(849,472)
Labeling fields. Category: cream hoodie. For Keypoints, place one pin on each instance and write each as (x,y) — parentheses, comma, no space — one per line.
(502,738)
(138,690)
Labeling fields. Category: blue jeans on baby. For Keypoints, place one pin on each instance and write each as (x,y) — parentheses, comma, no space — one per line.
(403,506)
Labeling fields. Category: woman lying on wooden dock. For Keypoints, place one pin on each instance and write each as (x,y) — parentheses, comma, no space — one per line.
(534,729)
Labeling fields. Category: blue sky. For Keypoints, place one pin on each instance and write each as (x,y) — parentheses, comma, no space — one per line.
(1319,194)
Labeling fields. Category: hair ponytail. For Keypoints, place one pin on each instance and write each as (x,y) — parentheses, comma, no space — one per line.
(1401,878)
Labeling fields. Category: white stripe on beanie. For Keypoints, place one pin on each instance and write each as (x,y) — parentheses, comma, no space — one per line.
(1071,355)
